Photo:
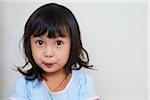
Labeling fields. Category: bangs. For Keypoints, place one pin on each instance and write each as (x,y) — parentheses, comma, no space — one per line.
(55,26)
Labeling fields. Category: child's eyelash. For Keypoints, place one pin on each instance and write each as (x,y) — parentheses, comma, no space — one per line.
(39,42)
(59,42)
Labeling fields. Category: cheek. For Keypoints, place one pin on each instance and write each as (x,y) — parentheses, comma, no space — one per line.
(64,55)
(36,54)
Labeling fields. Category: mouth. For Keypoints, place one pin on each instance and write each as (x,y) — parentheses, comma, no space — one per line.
(49,65)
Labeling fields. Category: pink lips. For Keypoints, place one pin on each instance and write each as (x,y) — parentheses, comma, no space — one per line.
(49,65)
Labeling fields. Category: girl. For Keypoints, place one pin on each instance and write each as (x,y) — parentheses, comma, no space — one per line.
(52,45)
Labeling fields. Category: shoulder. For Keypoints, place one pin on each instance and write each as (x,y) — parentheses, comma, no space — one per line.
(22,88)
(23,82)
(85,85)
(82,76)
(80,73)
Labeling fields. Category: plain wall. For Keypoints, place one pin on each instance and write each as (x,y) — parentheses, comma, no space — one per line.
(114,34)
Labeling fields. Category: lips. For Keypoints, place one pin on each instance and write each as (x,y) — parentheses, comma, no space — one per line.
(49,65)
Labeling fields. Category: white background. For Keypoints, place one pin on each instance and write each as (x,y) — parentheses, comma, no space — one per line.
(114,33)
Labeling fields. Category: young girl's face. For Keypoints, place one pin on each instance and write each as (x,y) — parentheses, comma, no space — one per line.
(50,54)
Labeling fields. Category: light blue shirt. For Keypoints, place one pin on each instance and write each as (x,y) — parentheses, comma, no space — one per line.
(80,87)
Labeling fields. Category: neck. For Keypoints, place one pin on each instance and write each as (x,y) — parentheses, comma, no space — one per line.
(55,75)
(57,81)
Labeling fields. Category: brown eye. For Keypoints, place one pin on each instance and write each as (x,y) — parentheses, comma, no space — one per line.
(39,42)
(59,43)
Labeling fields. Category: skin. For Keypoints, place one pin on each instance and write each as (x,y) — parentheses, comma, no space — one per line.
(51,55)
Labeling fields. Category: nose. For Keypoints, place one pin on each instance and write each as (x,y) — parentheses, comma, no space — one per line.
(49,52)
